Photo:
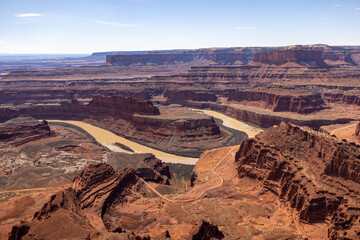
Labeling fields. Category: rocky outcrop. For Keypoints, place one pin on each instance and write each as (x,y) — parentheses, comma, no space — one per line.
(23,129)
(180,96)
(207,231)
(300,55)
(282,100)
(314,173)
(157,172)
(78,212)
(357,130)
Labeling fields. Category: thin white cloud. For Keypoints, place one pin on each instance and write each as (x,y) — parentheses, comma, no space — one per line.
(244,28)
(24,15)
(337,5)
(357,9)
(118,24)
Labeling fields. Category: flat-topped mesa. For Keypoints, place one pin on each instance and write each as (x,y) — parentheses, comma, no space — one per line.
(23,129)
(300,55)
(228,56)
(120,106)
(315,173)
(150,58)
(281,99)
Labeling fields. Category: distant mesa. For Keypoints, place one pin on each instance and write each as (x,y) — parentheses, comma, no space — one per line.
(305,55)
(302,55)
(225,56)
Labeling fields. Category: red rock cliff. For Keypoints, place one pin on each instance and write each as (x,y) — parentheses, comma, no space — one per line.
(282,100)
(78,212)
(301,56)
(99,107)
(119,106)
(23,129)
(316,174)
(179,96)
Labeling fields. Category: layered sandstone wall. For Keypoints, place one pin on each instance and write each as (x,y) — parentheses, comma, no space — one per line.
(46,94)
(151,58)
(343,98)
(179,96)
(123,107)
(301,56)
(190,57)
(316,174)
(79,212)
(307,55)
(23,129)
(280,101)
(99,107)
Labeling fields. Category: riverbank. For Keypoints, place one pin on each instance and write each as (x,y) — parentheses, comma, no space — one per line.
(105,137)
(250,129)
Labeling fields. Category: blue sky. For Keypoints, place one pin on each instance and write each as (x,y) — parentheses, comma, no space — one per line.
(86,26)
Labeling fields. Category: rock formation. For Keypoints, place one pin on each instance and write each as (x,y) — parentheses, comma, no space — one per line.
(207,231)
(100,106)
(357,130)
(314,173)
(306,55)
(151,58)
(300,55)
(178,96)
(157,171)
(226,56)
(282,99)
(343,98)
(23,129)
(78,212)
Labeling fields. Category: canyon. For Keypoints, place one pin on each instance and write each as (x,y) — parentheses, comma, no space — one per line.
(174,130)
(294,175)
(288,182)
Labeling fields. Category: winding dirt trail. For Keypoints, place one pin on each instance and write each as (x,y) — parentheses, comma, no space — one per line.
(203,192)
(342,128)
(30,189)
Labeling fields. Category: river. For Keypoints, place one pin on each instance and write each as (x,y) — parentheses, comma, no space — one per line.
(233,123)
(108,139)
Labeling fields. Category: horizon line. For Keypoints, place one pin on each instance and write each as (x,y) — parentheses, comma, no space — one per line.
(179,49)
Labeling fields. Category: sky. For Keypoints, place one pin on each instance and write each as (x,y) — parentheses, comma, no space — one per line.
(86,26)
